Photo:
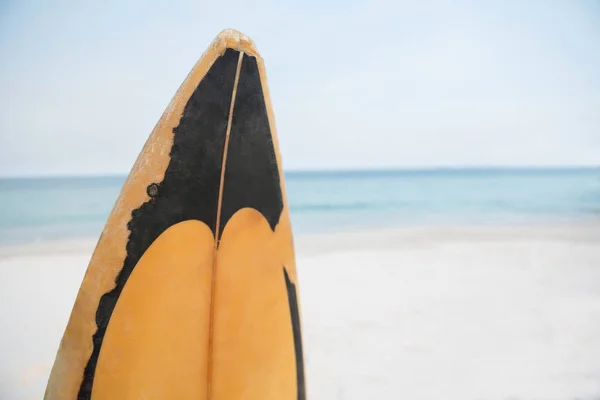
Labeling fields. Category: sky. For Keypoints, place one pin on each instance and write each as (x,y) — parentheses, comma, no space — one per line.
(354,84)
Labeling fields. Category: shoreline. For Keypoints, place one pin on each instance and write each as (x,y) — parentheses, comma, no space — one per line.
(584,229)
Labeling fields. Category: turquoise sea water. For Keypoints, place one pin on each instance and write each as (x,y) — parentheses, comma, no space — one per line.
(35,209)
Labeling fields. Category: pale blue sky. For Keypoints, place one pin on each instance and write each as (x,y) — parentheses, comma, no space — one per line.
(355,84)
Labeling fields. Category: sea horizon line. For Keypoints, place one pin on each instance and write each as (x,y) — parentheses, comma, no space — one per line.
(344,171)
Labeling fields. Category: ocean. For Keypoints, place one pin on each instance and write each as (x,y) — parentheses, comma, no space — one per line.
(38,209)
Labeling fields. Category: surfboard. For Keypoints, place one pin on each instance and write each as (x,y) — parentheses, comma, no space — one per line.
(191,291)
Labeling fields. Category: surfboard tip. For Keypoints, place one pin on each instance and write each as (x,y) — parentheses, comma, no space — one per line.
(234,39)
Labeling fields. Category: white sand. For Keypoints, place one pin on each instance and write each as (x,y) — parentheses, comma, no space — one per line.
(420,313)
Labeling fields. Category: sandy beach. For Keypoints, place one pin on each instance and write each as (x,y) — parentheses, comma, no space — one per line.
(415,313)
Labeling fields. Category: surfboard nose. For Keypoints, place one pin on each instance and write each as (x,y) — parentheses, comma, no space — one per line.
(236,40)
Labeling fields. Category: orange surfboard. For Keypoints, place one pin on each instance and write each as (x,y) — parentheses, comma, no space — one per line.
(191,292)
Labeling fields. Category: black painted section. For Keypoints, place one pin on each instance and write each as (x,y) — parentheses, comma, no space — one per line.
(251,174)
(190,188)
(293,300)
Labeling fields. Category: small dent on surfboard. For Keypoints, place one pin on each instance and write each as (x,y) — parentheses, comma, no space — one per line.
(152,190)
